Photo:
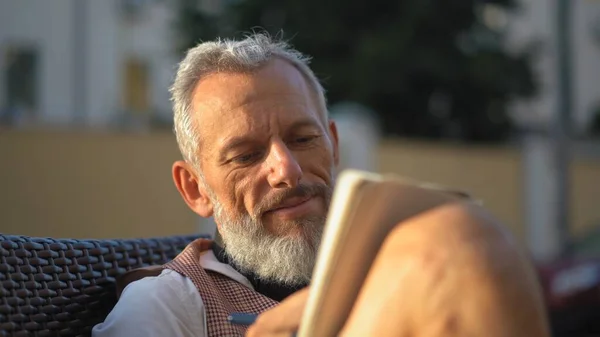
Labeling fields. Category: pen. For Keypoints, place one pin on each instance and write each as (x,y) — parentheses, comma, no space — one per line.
(240,318)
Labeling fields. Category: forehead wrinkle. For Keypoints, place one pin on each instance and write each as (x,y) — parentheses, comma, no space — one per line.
(251,96)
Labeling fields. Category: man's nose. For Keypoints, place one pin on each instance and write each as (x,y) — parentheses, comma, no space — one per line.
(284,169)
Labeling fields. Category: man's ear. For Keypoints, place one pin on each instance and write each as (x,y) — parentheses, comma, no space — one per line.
(192,189)
(335,142)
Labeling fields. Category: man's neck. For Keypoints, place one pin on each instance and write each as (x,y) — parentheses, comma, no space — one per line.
(273,290)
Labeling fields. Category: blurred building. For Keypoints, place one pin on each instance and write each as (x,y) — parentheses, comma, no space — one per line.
(97,62)
(536,22)
(83,61)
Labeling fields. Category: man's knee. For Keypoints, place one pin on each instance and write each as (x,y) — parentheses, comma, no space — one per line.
(454,270)
(478,273)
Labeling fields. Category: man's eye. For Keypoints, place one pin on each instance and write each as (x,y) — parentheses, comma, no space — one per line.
(306,139)
(246,158)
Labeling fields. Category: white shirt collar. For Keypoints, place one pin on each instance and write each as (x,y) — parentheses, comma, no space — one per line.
(209,261)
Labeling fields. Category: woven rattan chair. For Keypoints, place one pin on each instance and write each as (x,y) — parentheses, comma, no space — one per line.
(52,287)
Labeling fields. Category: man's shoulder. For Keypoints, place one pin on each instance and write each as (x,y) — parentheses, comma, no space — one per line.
(166,304)
(166,276)
(169,286)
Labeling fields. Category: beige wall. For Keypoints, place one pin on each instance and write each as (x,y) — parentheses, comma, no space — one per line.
(493,175)
(75,184)
(99,185)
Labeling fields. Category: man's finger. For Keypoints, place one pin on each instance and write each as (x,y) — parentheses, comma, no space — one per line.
(284,319)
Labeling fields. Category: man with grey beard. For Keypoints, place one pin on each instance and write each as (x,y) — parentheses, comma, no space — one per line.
(259,155)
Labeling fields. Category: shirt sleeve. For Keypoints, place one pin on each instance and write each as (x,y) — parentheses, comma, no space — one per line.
(165,305)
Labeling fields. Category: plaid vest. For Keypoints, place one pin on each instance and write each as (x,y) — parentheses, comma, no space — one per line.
(220,294)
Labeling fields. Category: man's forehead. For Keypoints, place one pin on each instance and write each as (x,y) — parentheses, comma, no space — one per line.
(283,126)
(229,90)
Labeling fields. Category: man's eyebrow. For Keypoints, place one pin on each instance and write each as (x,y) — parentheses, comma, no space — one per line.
(232,143)
(304,123)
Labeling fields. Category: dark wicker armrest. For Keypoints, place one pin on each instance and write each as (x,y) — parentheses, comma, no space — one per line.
(52,287)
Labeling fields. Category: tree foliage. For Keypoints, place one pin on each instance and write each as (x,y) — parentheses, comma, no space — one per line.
(429,68)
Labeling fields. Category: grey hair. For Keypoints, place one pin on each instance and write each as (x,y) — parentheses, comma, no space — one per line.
(224,55)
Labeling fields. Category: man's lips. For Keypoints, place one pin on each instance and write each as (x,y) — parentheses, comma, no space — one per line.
(290,203)
(294,208)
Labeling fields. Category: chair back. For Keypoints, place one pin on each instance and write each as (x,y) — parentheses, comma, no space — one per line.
(63,287)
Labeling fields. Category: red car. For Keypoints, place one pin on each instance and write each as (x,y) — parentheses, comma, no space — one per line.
(571,288)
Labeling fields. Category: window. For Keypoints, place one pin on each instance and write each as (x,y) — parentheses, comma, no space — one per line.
(136,87)
(20,82)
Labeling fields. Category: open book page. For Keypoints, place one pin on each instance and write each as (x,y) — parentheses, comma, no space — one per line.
(364,208)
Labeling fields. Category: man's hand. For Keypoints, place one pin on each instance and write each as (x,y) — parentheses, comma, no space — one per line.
(283,320)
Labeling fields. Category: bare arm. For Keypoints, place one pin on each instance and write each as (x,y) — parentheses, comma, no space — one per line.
(451,271)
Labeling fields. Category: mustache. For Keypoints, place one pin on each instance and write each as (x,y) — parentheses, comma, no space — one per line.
(300,191)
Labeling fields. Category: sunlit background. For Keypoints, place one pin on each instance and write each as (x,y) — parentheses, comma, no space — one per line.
(499,98)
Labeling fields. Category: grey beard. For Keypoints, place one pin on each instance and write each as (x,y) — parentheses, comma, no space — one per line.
(282,259)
